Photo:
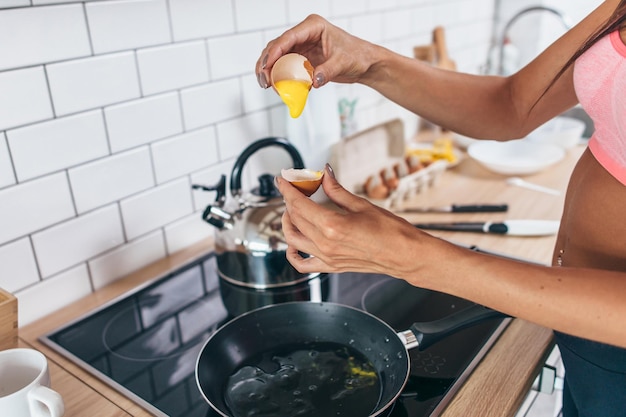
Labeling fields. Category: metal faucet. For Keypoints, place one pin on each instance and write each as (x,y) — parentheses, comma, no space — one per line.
(565,20)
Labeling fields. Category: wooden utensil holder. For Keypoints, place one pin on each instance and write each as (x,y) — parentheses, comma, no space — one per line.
(8,320)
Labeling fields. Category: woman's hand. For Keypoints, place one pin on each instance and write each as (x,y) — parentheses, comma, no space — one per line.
(336,55)
(358,236)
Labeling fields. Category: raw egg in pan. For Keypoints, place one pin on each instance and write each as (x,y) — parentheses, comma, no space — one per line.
(292,77)
(305,180)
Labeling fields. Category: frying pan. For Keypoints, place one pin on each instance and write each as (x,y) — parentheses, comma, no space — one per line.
(273,327)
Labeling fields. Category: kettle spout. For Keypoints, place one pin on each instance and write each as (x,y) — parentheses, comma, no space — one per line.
(217,217)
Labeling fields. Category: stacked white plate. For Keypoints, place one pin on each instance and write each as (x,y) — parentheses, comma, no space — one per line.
(515,157)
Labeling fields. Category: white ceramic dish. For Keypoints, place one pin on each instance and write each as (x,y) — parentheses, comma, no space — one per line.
(462,141)
(516,157)
(562,131)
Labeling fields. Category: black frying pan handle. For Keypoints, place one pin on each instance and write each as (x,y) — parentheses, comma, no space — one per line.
(429,333)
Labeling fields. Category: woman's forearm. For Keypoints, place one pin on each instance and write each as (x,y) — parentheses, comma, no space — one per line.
(477,106)
(486,107)
(588,303)
(490,107)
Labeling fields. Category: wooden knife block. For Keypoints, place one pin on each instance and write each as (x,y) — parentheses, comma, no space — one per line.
(8,320)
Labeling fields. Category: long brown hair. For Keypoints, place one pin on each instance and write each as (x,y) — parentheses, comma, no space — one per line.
(613,23)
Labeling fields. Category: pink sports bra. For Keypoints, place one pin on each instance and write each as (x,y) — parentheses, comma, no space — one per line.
(600,83)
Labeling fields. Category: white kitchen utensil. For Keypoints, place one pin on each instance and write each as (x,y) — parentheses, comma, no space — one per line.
(519,182)
(522,227)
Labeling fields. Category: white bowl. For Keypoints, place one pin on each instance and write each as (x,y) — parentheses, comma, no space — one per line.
(462,141)
(562,131)
(515,157)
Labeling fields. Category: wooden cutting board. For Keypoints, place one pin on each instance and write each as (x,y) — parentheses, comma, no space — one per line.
(441,48)
(437,55)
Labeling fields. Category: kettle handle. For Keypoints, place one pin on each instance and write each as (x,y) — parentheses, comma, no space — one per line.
(235,177)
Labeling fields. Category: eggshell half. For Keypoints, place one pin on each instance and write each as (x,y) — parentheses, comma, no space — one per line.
(292,66)
(305,180)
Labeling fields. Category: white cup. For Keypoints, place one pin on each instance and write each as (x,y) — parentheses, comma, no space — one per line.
(24,385)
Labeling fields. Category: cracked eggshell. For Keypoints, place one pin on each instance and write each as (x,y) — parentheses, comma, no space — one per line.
(292,66)
(305,180)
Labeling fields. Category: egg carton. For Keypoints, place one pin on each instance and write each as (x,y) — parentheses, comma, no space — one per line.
(412,184)
(381,147)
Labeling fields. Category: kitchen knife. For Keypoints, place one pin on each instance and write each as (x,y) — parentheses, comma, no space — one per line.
(457,208)
(507,227)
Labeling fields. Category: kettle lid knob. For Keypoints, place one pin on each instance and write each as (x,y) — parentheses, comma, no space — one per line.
(266,186)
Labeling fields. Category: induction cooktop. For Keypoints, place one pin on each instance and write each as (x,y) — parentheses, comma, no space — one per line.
(145,343)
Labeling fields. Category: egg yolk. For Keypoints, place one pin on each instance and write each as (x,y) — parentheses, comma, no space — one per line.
(294,94)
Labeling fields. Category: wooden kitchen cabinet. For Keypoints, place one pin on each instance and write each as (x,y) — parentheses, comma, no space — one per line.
(499,384)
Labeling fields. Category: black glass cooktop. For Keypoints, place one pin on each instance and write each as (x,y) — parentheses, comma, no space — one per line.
(145,343)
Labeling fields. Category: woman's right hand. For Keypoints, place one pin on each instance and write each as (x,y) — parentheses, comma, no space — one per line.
(336,55)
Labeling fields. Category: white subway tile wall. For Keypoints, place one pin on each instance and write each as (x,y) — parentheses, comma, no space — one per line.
(111,109)
(17,260)
(141,122)
(89,83)
(195,19)
(250,17)
(197,148)
(130,24)
(181,232)
(234,55)
(39,35)
(69,243)
(111,179)
(200,107)
(34,205)
(7,176)
(57,144)
(156,207)
(25,97)
(124,260)
(172,67)
(54,293)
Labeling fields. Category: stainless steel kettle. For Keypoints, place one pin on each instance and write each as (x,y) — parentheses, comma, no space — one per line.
(250,246)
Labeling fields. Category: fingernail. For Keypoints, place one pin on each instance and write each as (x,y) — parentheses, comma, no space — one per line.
(320,79)
(264,62)
(330,171)
(276,184)
(262,80)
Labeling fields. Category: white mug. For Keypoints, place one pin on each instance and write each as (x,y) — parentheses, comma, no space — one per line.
(24,385)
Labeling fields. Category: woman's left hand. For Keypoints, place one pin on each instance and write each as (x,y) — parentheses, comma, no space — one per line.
(359,237)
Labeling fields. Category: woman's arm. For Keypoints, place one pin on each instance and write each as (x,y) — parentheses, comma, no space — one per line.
(478,106)
(363,237)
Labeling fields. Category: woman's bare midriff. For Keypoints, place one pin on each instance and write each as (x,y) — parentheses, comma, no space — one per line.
(593,230)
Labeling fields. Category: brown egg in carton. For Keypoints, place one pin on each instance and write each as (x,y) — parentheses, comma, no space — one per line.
(402,180)
(377,164)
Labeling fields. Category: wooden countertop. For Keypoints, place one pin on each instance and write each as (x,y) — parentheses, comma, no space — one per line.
(499,384)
